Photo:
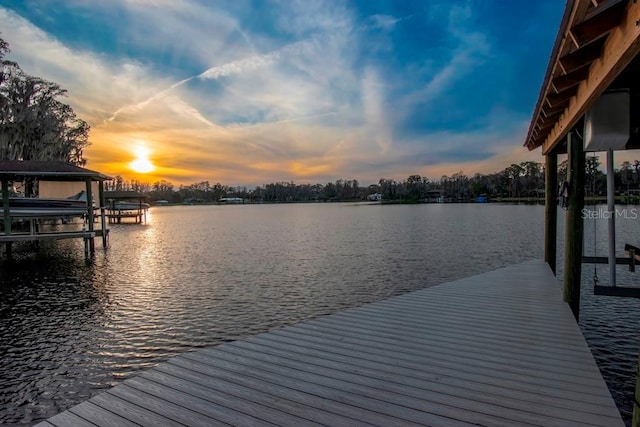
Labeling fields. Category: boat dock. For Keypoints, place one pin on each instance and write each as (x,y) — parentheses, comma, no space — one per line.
(36,209)
(496,349)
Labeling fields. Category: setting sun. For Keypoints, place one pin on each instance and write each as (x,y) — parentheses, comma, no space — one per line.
(142,164)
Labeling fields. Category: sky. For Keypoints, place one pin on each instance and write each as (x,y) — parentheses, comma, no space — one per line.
(248,92)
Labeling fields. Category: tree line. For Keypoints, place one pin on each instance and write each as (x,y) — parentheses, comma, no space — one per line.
(522,180)
(518,180)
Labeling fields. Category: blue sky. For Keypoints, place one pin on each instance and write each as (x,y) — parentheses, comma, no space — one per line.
(250,92)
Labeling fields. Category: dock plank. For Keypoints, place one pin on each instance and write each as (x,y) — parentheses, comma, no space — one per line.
(369,400)
(444,369)
(445,401)
(412,346)
(132,412)
(100,416)
(417,379)
(496,349)
(69,419)
(255,392)
(229,371)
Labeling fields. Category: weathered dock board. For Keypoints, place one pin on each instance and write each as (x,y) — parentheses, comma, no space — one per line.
(497,349)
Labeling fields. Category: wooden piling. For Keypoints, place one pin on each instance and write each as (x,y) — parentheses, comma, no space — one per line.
(574,231)
(635,421)
(103,222)
(7,215)
(92,247)
(551,210)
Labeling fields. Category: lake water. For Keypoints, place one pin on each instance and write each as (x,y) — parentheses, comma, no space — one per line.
(196,276)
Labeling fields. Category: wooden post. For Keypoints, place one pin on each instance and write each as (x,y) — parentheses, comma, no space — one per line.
(7,215)
(611,207)
(103,222)
(92,244)
(550,209)
(635,420)
(5,206)
(574,230)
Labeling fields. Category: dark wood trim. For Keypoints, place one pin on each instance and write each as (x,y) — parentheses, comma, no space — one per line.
(600,21)
(565,81)
(582,56)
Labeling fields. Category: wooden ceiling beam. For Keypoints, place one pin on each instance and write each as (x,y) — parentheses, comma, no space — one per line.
(599,21)
(556,99)
(551,111)
(550,118)
(621,47)
(575,10)
(545,128)
(583,56)
(564,82)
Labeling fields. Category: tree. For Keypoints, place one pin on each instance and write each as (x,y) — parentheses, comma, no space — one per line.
(592,171)
(34,123)
(513,174)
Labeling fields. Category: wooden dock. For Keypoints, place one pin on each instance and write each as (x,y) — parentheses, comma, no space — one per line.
(497,349)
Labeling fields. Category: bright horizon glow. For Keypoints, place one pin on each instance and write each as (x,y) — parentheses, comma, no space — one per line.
(310,92)
(142,166)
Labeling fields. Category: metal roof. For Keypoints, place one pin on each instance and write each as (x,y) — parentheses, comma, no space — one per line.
(47,171)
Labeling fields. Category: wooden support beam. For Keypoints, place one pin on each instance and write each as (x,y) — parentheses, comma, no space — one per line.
(605,260)
(574,12)
(564,82)
(621,47)
(559,98)
(582,56)
(550,210)
(574,226)
(550,118)
(545,129)
(599,22)
(558,109)
(617,291)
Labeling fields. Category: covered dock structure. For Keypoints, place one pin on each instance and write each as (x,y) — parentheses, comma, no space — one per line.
(13,171)
(589,102)
(122,204)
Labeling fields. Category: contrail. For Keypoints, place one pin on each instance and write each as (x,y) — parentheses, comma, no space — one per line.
(247,64)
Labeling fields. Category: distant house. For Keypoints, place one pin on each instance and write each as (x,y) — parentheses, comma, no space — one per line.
(231,200)
(375,197)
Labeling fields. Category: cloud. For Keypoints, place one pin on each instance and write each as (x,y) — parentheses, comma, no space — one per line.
(216,97)
(95,86)
(383,22)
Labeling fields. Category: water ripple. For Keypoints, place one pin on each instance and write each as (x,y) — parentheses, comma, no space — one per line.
(202,275)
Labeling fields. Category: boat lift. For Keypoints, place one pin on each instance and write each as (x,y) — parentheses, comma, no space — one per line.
(607,127)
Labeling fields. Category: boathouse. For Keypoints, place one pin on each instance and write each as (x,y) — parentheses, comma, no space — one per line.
(589,102)
(126,204)
(16,171)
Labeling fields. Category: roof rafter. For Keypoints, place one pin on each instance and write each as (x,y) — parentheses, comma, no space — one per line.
(619,49)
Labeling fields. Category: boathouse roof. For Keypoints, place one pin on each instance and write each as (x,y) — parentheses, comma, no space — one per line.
(47,171)
(596,49)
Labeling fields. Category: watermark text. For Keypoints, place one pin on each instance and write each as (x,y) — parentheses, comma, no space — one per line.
(622,213)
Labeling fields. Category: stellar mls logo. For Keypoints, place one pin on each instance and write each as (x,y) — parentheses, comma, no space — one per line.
(625,213)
